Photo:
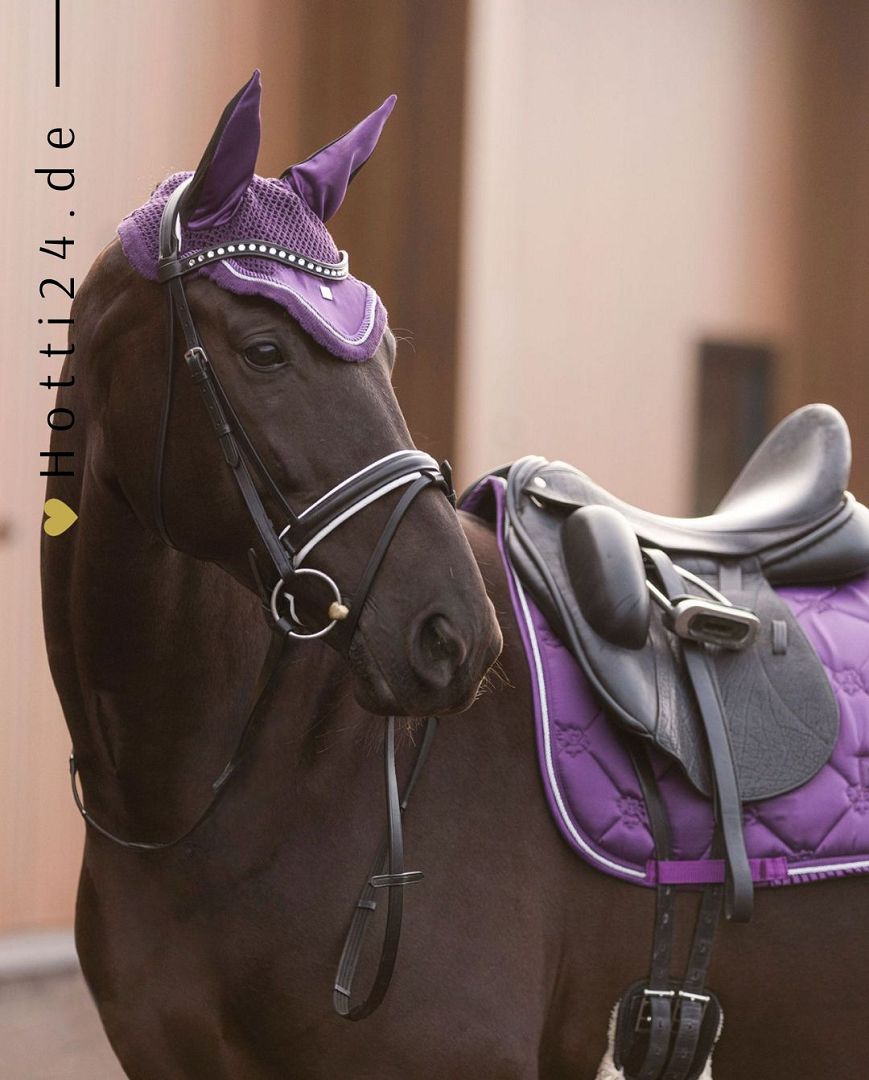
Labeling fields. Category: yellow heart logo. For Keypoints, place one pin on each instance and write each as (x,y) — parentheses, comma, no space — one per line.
(58,517)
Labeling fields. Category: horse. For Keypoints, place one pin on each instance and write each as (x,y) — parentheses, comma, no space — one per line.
(210,915)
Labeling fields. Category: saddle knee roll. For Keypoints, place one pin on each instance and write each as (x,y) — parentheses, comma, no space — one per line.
(605,567)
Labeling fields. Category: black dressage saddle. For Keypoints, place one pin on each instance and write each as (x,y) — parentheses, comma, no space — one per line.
(676,622)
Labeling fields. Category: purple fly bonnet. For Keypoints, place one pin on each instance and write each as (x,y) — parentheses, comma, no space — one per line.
(267,238)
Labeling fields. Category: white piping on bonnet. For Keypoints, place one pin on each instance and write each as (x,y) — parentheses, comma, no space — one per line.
(370,304)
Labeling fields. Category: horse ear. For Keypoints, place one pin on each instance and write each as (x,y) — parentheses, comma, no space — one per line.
(226,168)
(323,178)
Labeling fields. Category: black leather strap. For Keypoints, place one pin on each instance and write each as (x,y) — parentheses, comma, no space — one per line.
(345,496)
(200,371)
(676,1024)
(693,1001)
(387,872)
(267,671)
(378,554)
(219,409)
(252,453)
(203,377)
(726,796)
(658,990)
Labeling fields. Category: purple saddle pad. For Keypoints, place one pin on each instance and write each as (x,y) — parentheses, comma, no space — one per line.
(820,830)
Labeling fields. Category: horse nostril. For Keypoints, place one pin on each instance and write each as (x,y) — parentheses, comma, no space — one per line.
(438,651)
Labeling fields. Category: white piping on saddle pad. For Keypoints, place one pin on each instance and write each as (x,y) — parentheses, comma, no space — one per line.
(608,1070)
(543,705)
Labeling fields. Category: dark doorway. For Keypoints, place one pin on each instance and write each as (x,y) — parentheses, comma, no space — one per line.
(733,414)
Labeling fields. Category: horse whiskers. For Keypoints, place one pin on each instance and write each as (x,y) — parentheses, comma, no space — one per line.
(407,728)
(485,687)
(325,740)
(403,337)
(497,669)
(494,679)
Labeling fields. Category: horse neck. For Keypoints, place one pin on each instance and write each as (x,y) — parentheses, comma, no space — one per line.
(165,658)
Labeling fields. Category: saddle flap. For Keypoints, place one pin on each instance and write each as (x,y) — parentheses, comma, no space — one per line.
(606,571)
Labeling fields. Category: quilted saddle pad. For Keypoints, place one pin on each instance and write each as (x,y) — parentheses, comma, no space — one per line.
(820,830)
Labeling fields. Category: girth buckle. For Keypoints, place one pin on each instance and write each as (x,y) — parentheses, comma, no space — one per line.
(683,996)
(644,1012)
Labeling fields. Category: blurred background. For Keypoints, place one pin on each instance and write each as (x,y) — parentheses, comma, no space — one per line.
(628,233)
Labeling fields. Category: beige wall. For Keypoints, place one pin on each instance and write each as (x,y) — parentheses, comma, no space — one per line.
(139,111)
(631,187)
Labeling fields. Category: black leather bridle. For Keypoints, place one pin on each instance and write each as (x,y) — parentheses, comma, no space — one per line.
(286,550)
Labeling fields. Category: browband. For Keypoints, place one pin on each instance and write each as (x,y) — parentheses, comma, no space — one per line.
(172,265)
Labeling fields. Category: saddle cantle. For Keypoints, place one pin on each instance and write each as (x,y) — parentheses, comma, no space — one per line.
(788,498)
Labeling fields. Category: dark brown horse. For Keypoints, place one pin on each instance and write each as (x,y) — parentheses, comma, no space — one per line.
(214,960)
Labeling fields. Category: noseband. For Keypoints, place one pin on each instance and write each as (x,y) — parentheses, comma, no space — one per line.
(287,548)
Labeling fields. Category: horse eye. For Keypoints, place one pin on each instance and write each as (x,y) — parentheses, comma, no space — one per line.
(264,355)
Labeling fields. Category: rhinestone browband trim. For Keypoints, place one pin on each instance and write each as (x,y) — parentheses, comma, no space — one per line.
(260,249)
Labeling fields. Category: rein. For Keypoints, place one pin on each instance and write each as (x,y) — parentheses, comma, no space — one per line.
(286,550)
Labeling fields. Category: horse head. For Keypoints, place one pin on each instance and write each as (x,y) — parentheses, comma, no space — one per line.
(294,359)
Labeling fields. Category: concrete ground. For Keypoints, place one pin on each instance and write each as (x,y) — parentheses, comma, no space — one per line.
(49,1028)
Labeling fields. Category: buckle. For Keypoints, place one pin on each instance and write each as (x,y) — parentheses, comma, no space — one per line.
(711,622)
(197,362)
(446,482)
(685,995)
(644,1013)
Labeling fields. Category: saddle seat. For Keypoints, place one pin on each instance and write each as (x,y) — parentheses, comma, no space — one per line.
(789,497)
